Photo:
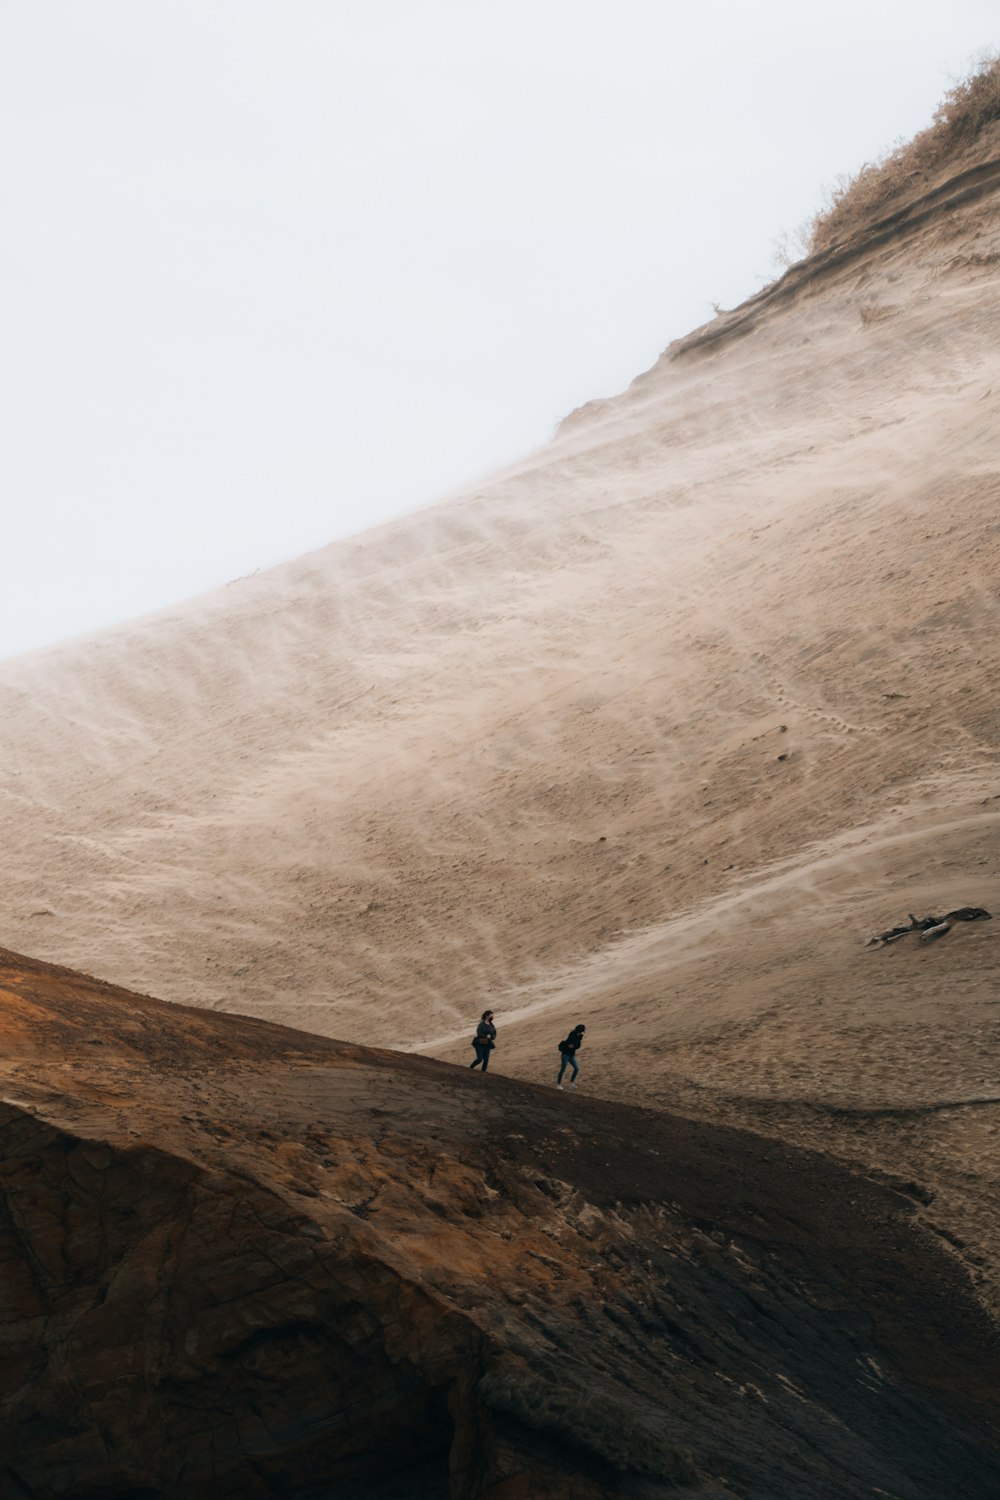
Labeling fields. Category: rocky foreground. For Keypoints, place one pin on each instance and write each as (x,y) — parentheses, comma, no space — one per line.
(242,1261)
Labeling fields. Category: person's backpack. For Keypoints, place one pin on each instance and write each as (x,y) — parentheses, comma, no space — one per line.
(563,1047)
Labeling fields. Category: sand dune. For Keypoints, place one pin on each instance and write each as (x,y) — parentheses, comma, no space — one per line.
(659,724)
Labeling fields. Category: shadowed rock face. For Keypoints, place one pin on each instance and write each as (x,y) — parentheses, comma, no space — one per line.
(241,1261)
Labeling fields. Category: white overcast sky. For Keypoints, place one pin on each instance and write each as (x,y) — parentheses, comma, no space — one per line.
(275,270)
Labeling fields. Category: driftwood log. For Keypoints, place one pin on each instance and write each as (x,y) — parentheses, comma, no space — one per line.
(930,928)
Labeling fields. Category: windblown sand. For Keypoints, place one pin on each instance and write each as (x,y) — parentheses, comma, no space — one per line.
(652,731)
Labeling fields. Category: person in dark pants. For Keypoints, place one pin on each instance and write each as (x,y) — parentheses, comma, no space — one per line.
(484,1040)
(569,1049)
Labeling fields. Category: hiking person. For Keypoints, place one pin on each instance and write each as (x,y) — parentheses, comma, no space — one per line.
(569,1049)
(484,1040)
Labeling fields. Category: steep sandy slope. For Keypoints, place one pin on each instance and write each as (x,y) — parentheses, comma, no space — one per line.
(238,1261)
(661,723)
(367,790)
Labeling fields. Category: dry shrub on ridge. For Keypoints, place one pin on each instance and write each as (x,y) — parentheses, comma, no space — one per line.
(966,110)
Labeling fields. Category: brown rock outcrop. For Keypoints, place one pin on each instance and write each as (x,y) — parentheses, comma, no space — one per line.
(241,1261)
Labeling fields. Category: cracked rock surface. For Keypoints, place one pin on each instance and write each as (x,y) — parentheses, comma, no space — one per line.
(240,1261)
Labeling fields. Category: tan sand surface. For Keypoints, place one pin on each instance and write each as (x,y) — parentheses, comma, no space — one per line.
(653,730)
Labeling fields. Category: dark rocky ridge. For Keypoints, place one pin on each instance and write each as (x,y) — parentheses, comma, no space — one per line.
(242,1261)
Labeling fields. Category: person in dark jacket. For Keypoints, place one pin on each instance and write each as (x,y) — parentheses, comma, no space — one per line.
(484,1040)
(569,1049)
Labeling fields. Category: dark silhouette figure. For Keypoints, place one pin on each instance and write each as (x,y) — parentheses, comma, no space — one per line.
(484,1040)
(569,1049)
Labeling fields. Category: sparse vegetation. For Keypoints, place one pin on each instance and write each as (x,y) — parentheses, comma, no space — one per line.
(791,245)
(968,108)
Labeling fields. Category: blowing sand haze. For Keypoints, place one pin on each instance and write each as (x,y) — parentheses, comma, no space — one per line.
(658,727)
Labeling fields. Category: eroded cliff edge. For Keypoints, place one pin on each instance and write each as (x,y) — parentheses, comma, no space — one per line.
(242,1261)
